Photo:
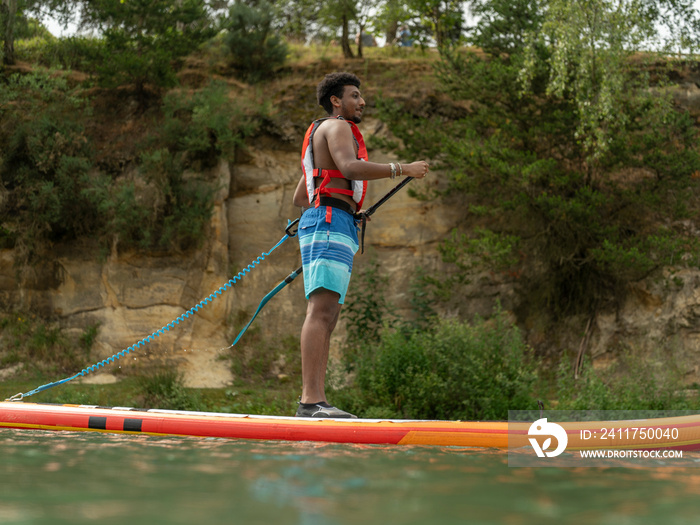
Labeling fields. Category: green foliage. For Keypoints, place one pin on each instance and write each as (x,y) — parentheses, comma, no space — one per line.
(207,124)
(443,19)
(504,24)
(421,293)
(583,183)
(144,41)
(174,209)
(294,17)
(72,52)
(45,165)
(124,221)
(183,203)
(164,388)
(54,193)
(261,360)
(366,310)
(256,50)
(590,44)
(456,371)
(87,338)
(630,384)
(482,248)
(28,28)
(40,345)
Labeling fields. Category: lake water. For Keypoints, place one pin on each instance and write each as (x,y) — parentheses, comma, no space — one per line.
(77,478)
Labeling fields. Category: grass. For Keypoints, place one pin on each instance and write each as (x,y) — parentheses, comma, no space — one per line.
(39,346)
(136,391)
(41,352)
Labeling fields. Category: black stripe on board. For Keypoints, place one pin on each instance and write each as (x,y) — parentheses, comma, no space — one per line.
(97,422)
(133,425)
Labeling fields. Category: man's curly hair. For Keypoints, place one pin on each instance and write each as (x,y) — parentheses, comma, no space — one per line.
(333,84)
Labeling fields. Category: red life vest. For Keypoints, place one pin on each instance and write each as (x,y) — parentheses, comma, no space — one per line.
(358,188)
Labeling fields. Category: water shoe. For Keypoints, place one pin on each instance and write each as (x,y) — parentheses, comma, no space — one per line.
(322,409)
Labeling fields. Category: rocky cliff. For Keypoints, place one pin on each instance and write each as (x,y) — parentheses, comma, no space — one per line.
(133,295)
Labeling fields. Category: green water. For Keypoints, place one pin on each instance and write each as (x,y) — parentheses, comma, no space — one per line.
(76,478)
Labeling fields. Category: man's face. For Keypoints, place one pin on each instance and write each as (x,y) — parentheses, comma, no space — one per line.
(352,104)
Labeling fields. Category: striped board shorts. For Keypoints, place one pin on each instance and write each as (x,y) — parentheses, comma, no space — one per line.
(327,250)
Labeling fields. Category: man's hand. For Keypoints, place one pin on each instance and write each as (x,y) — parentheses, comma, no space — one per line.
(417,170)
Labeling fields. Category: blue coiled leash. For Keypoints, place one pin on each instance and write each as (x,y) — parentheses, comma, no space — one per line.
(143,342)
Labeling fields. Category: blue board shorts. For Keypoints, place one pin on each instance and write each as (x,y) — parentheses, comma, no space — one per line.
(327,250)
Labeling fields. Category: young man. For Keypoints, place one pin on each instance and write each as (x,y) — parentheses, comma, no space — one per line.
(332,186)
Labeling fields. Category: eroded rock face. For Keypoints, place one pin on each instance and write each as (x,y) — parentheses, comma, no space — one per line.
(133,296)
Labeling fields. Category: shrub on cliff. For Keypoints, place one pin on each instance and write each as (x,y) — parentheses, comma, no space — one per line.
(256,50)
(45,162)
(630,383)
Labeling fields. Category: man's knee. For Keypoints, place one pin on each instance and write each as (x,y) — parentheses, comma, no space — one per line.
(324,308)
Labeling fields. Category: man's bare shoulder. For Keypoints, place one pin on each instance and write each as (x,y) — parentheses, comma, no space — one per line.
(334,127)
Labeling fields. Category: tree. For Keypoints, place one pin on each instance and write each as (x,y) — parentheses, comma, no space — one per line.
(340,13)
(13,12)
(8,13)
(504,25)
(390,14)
(256,50)
(591,41)
(144,39)
(444,18)
(347,15)
(296,17)
(581,172)
(364,9)
(679,25)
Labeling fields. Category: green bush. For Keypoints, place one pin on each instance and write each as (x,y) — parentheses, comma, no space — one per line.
(41,345)
(45,162)
(165,389)
(459,370)
(205,125)
(73,52)
(366,311)
(183,203)
(255,48)
(630,384)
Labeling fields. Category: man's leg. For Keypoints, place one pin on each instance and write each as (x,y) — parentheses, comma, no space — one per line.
(321,317)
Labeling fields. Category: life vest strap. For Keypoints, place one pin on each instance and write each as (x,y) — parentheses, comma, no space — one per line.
(336,203)
(324,191)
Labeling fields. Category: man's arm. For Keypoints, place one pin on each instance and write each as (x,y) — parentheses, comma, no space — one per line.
(340,145)
(300,198)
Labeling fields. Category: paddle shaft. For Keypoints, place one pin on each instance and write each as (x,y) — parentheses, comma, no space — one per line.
(388,196)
